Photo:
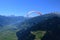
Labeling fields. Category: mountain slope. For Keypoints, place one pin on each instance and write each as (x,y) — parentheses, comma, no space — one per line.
(48,22)
(36,20)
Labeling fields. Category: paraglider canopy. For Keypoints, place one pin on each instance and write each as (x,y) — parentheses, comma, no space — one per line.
(31,12)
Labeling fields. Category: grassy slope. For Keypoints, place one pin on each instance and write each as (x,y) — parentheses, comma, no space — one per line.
(8,35)
(38,34)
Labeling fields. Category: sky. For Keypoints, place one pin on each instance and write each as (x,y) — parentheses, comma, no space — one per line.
(22,7)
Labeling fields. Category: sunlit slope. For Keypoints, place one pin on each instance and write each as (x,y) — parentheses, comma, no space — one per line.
(8,35)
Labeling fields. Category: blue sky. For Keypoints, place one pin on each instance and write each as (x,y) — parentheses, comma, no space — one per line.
(21,7)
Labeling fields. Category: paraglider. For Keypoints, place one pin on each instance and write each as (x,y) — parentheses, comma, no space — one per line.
(30,12)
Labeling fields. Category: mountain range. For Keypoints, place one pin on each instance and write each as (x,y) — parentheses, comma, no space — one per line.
(10,20)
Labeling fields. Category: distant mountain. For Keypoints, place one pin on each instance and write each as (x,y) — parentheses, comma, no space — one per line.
(9,20)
